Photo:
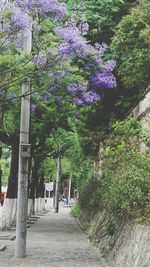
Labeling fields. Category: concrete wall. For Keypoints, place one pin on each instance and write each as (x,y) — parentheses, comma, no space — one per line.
(132,248)
(124,244)
(143,107)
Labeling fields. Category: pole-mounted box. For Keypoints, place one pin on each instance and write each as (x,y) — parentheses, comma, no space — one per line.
(25,150)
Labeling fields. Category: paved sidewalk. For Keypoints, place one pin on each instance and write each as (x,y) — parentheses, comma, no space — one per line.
(55,240)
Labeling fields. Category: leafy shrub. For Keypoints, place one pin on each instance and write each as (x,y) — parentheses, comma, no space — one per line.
(90,195)
(124,189)
(127,186)
(131,47)
(75,211)
(126,170)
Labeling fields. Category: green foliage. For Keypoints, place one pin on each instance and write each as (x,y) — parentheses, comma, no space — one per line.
(145,136)
(66,166)
(126,173)
(11,121)
(48,168)
(124,189)
(82,170)
(130,127)
(90,195)
(75,211)
(102,16)
(5,167)
(128,185)
(131,47)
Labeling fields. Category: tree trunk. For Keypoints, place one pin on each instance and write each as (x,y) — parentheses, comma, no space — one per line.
(8,214)
(34,185)
(30,191)
(13,177)
(57,185)
(42,191)
(41,187)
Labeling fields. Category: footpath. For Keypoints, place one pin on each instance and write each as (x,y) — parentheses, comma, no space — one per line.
(54,240)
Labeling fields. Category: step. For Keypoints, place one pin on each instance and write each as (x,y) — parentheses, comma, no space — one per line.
(32,219)
(2,247)
(7,237)
(30,222)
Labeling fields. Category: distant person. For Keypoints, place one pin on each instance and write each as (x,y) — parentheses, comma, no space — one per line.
(66,196)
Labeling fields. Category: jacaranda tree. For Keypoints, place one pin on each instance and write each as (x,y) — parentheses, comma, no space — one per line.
(62,66)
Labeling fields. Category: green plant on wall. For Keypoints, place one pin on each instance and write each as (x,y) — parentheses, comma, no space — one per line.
(127,172)
(124,188)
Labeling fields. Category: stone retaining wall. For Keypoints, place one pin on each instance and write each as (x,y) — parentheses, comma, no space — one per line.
(122,243)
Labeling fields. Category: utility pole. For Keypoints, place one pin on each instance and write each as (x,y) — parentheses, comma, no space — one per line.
(24,154)
(57,183)
(69,189)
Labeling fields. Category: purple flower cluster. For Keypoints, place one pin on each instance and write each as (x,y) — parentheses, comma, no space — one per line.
(45,97)
(79,87)
(65,49)
(20,10)
(33,107)
(54,90)
(90,97)
(84,27)
(109,66)
(25,4)
(58,100)
(102,80)
(18,20)
(73,41)
(87,67)
(81,95)
(98,72)
(53,7)
(86,98)
(78,101)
